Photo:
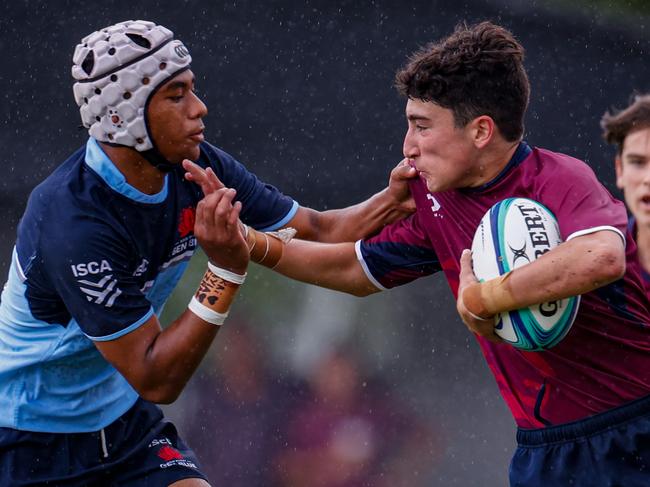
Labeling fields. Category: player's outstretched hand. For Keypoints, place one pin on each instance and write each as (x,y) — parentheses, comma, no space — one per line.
(398,185)
(206,178)
(217,228)
(481,326)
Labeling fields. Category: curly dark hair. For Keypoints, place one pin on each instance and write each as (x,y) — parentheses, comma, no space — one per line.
(477,70)
(619,124)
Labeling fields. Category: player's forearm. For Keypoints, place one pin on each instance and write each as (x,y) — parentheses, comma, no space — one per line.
(174,356)
(573,268)
(358,221)
(334,266)
(158,363)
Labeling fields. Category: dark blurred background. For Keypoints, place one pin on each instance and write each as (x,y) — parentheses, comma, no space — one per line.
(306,387)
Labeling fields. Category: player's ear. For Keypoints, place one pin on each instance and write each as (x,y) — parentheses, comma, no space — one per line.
(482,130)
(618,164)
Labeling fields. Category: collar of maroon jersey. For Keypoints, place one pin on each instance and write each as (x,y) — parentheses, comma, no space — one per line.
(522,152)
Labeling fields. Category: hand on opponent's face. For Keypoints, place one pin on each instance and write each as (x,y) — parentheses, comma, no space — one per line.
(398,185)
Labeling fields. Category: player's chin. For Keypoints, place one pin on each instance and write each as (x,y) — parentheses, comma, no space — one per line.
(434,185)
(189,151)
(193,152)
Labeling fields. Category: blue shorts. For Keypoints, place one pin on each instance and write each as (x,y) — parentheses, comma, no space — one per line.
(607,449)
(139,449)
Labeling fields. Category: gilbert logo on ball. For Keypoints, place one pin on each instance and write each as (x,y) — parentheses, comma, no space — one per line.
(513,233)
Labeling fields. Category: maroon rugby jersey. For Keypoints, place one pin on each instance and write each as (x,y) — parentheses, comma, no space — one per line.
(604,361)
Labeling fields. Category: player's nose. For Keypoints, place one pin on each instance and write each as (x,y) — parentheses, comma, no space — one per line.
(646,175)
(410,148)
(198,108)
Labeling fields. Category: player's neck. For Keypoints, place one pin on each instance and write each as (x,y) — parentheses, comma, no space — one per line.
(493,161)
(137,171)
(643,245)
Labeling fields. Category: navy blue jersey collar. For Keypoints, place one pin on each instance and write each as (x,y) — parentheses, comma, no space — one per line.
(523,151)
(631,226)
(99,162)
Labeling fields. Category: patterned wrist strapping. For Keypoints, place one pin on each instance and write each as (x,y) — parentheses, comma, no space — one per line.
(215,294)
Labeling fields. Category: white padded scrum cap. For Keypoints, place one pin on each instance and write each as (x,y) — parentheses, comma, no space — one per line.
(117,69)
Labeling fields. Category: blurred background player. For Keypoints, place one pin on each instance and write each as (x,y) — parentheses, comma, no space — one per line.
(348,430)
(239,410)
(102,243)
(342,428)
(629,130)
(582,407)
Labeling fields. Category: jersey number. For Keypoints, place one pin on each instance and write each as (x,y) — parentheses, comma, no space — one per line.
(435,205)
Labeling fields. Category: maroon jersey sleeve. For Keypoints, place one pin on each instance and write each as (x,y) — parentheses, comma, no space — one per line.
(399,254)
(580,202)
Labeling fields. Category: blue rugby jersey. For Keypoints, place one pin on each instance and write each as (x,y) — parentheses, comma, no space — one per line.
(94,259)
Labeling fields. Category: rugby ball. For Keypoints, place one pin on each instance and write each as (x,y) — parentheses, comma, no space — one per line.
(513,233)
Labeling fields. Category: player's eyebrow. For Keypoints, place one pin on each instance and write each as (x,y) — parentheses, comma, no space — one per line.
(179,84)
(632,155)
(415,117)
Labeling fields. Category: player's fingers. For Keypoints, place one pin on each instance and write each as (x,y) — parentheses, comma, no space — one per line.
(215,210)
(212,205)
(488,333)
(194,171)
(466,272)
(481,327)
(203,217)
(224,205)
(404,170)
(233,218)
(198,175)
(215,182)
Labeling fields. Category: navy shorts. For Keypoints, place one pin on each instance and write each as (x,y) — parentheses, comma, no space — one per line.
(139,449)
(605,450)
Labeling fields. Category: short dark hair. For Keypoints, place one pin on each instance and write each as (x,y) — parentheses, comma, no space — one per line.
(617,124)
(477,70)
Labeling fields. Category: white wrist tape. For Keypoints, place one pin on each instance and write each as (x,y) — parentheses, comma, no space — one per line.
(205,313)
(226,274)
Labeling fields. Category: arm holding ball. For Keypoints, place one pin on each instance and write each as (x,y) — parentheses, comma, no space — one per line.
(575,267)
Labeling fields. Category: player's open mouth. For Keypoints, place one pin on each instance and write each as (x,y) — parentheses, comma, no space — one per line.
(645,202)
